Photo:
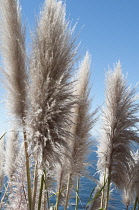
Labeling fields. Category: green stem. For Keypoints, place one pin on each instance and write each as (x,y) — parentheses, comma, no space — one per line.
(135,204)
(67,195)
(108,191)
(59,190)
(46,195)
(40,194)
(35,187)
(102,197)
(27,168)
(57,200)
(77,193)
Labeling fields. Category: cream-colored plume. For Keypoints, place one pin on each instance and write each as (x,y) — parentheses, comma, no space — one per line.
(12,43)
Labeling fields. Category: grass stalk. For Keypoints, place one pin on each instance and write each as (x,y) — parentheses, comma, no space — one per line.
(27,169)
(135,204)
(67,195)
(77,193)
(102,197)
(96,196)
(46,194)
(47,198)
(57,199)
(108,192)
(34,187)
(40,193)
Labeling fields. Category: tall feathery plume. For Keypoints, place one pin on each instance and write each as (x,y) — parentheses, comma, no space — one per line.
(82,122)
(14,57)
(51,64)
(12,42)
(118,131)
(11,154)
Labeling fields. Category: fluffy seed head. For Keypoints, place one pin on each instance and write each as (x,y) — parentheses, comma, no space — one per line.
(51,64)
(119,127)
(12,42)
(83,119)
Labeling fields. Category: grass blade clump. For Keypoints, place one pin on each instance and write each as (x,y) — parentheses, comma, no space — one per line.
(99,195)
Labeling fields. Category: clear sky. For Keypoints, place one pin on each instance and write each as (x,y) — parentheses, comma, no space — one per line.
(109,30)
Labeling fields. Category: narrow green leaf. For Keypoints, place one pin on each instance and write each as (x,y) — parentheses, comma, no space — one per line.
(96,195)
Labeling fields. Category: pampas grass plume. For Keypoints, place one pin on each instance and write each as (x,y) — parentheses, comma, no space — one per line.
(119,125)
(51,65)
(13,52)
(82,123)
(119,128)
(83,119)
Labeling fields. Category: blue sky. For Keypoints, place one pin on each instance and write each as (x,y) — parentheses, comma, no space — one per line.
(108,29)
